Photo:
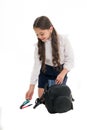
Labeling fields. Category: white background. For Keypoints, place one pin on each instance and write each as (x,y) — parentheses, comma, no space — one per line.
(17,40)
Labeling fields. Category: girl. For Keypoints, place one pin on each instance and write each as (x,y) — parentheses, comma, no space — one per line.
(53,57)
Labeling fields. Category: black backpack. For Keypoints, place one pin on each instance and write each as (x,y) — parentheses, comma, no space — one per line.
(57,99)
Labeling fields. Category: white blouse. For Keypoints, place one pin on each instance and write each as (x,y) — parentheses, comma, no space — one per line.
(65,52)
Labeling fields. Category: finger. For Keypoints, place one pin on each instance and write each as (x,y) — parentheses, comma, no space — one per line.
(26,96)
(59,81)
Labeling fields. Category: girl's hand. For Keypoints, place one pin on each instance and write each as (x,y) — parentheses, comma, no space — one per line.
(61,76)
(30,92)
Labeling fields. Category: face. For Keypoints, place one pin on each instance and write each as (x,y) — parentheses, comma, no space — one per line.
(43,35)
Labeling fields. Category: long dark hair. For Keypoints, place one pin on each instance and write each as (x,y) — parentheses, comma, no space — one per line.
(43,22)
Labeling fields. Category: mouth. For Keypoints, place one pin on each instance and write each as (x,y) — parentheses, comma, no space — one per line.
(43,39)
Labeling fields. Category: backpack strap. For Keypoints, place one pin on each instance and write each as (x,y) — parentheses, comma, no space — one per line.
(41,100)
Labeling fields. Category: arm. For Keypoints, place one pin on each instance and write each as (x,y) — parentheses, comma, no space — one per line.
(34,75)
(68,60)
(36,67)
(68,55)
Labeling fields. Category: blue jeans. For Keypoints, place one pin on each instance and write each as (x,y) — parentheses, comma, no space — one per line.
(52,82)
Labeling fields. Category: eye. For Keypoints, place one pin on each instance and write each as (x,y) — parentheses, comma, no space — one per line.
(42,34)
